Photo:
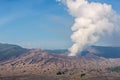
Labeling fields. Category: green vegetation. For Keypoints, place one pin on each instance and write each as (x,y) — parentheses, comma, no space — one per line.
(82,75)
(114,69)
(60,73)
(8,51)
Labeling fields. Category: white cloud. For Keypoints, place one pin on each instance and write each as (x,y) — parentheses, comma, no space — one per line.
(92,20)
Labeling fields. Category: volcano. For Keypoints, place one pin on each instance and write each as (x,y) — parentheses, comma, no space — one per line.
(37,64)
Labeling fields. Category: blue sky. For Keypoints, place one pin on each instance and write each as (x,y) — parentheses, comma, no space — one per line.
(42,24)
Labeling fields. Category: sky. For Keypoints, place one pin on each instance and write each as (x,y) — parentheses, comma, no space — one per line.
(43,24)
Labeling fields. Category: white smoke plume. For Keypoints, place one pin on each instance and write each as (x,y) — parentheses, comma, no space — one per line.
(92,20)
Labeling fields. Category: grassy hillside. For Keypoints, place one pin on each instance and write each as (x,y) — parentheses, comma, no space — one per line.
(8,51)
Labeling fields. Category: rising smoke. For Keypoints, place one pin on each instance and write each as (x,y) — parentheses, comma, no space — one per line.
(92,20)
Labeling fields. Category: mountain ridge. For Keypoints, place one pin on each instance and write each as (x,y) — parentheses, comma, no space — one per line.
(37,64)
(8,51)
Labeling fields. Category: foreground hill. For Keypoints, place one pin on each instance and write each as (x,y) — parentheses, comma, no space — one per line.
(97,63)
(39,65)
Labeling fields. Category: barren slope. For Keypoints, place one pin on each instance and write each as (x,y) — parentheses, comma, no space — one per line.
(38,62)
